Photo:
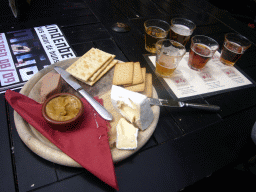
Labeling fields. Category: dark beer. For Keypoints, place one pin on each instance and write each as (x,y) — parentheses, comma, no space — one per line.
(153,34)
(230,53)
(180,33)
(199,55)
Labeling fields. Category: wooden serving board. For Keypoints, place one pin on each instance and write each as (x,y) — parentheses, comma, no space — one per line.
(47,150)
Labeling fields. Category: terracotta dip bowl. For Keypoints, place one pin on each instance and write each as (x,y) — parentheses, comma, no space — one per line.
(62,111)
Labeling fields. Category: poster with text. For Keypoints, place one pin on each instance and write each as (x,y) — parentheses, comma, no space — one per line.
(25,52)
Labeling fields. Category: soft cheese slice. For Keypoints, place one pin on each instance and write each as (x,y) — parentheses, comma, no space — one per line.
(132,106)
(126,135)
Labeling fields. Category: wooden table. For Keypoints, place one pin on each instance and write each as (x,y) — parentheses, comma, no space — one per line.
(186,145)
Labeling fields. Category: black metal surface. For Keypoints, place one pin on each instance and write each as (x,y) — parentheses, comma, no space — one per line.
(187,145)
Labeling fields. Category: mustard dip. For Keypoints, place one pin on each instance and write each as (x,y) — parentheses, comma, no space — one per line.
(63,108)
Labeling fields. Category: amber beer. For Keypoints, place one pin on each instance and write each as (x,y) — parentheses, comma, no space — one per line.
(180,33)
(230,53)
(155,30)
(201,51)
(199,55)
(153,34)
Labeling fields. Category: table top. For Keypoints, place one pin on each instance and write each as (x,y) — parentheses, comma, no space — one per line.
(186,146)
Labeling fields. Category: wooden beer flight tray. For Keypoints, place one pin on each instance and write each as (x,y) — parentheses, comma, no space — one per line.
(47,150)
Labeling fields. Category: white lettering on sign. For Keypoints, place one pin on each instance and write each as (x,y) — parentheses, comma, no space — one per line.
(8,74)
(54,43)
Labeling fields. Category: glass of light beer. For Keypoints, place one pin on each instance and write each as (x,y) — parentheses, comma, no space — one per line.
(155,30)
(201,51)
(181,30)
(233,48)
(168,56)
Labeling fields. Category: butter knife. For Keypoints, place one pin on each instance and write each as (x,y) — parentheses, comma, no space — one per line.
(75,85)
(173,103)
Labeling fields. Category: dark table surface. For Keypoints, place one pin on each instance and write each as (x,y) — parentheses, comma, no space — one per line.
(187,145)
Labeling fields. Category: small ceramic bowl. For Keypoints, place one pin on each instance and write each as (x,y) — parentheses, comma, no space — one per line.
(60,124)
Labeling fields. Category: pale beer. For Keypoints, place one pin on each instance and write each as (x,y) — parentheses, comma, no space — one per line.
(164,69)
(169,54)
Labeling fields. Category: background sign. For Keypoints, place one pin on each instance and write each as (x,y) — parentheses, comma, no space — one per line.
(25,52)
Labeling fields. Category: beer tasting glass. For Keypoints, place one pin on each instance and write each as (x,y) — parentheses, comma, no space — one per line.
(155,30)
(169,54)
(201,51)
(233,48)
(181,30)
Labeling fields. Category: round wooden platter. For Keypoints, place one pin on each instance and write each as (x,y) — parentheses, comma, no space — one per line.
(47,150)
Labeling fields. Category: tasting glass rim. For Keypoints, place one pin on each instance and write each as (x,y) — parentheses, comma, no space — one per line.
(187,20)
(237,35)
(161,40)
(204,36)
(158,20)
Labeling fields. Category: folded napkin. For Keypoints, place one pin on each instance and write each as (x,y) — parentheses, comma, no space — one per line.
(87,144)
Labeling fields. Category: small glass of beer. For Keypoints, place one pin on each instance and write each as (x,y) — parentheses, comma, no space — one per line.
(201,51)
(233,48)
(169,54)
(155,30)
(181,30)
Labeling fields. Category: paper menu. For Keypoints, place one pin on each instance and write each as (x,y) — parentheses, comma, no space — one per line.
(186,82)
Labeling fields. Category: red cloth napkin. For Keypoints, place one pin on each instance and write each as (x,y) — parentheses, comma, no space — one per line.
(87,144)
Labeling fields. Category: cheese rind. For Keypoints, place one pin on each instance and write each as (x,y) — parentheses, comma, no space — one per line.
(132,106)
(126,135)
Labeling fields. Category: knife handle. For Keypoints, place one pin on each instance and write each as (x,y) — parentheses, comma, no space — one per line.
(202,106)
(97,106)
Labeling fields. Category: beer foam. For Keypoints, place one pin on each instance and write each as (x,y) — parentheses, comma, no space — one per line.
(181,29)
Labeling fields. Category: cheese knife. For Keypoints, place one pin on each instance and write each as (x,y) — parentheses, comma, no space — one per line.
(173,103)
(75,85)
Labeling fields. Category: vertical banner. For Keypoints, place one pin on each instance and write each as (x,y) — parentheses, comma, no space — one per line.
(25,52)
(8,73)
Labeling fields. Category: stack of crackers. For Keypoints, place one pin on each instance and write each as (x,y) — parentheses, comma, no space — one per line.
(132,77)
(92,66)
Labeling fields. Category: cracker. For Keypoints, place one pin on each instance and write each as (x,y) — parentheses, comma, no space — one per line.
(88,64)
(97,73)
(137,75)
(112,64)
(139,87)
(123,74)
(149,87)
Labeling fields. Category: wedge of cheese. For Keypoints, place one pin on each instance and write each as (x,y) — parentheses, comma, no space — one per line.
(134,107)
(127,134)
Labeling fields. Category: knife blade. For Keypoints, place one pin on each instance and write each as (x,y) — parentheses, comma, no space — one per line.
(75,85)
(173,103)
